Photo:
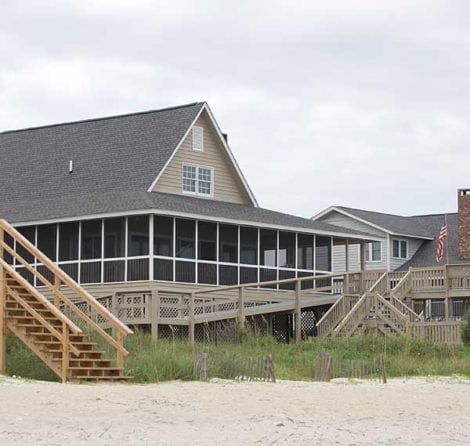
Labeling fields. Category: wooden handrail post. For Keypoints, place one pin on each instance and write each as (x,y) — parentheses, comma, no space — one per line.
(241,307)
(191,318)
(298,291)
(154,313)
(119,354)
(57,283)
(65,352)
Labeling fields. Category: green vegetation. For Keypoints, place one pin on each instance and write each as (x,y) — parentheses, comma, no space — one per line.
(164,360)
(466,332)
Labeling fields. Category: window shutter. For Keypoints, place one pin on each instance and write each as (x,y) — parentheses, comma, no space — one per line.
(198,138)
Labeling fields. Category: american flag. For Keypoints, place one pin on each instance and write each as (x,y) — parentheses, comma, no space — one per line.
(440,243)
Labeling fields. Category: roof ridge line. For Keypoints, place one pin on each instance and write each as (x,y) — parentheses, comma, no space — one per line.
(104,118)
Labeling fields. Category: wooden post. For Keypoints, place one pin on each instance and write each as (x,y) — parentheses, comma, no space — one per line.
(298,292)
(2,311)
(363,265)
(56,291)
(65,352)
(241,307)
(384,371)
(346,277)
(119,355)
(446,285)
(155,313)
(191,318)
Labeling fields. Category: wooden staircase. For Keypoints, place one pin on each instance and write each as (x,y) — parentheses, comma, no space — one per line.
(378,309)
(54,330)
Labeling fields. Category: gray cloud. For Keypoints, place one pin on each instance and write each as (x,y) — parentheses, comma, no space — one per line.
(359,103)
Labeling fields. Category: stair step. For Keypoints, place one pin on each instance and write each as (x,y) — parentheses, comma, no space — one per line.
(101,378)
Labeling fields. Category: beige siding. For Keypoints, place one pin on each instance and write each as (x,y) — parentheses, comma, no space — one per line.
(227,185)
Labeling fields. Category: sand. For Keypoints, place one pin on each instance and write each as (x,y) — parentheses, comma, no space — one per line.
(433,411)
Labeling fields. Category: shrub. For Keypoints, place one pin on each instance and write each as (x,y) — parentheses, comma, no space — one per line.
(466,332)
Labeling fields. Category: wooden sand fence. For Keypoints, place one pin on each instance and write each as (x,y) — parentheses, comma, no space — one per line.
(226,365)
(327,368)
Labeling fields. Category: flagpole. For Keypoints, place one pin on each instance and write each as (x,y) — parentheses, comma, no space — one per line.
(447,240)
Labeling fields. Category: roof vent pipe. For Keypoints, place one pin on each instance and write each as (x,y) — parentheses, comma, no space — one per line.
(70,166)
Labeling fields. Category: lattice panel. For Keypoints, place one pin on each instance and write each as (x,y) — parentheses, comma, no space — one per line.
(171,332)
(133,306)
(169,307)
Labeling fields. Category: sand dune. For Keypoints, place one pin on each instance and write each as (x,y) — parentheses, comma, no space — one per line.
(432,411)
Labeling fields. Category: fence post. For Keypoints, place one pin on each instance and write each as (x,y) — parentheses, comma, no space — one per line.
(2,310)
(298,292)
(154,313)
(191,318)
(241,307)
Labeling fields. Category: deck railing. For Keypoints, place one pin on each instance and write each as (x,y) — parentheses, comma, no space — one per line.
(16,246)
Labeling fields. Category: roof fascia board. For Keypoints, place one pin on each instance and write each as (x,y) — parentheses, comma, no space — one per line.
(152,186)
(322,213)
(198,217)
(231,157)
(361,220)
(421,237)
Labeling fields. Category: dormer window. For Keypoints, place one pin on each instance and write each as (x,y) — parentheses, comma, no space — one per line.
(198,180)
(198,138)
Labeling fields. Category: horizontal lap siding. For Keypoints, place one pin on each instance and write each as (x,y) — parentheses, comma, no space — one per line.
(227,186)
(337,219)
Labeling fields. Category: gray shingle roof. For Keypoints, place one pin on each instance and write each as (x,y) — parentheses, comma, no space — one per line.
(117,153)
(425,256)
(396,224)
(115,161)
(112,202)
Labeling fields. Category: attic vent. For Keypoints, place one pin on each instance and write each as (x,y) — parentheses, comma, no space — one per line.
(70,166)
(198,138)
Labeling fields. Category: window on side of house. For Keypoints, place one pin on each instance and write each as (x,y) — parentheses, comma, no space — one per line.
(198,180)
(374,252)
(400,249)
(198,138)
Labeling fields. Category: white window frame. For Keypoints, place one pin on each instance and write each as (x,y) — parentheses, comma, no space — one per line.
(195,139)
(196,192)
(399,249)
(369,253)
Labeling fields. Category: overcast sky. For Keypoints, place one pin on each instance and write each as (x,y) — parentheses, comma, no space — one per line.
(355,103)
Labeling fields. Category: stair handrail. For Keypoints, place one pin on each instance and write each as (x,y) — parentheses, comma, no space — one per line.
(353,312)
(382,281)
(395,310)
(61,277)
(333,315)
(397,303)
(404,283)
(66,323)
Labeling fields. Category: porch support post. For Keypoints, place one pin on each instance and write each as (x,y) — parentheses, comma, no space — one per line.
(241,307)
(297,311)
(191,318)
(362,255)
(346,277)
(154,313)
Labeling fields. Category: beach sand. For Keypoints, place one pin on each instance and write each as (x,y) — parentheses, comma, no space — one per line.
(425,411)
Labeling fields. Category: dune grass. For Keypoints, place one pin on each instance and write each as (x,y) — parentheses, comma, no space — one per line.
(151,361)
